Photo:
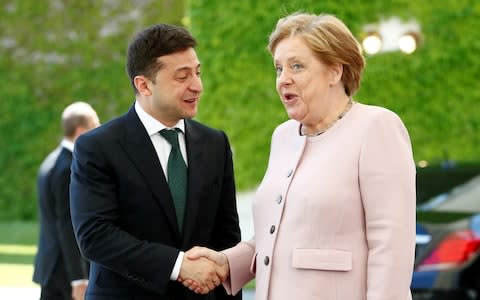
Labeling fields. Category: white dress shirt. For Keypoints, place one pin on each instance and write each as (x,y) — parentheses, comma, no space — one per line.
(67,144)
(163,147)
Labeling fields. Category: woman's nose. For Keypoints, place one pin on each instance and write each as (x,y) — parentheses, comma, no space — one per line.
(284,77)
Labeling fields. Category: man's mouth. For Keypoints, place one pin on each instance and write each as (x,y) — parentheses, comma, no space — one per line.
(192,100)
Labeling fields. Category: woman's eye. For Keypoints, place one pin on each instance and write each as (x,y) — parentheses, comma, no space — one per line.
(297,67)
(278,70)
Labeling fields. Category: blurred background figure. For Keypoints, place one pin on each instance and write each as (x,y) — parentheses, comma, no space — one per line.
(59,267)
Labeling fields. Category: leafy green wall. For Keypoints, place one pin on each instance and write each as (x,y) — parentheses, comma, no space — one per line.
(55,52)
(51,54)
(435,90)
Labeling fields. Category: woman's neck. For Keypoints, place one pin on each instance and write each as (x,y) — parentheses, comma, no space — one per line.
(338,108)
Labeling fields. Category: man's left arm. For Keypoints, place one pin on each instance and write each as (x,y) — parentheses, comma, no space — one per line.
(227,229)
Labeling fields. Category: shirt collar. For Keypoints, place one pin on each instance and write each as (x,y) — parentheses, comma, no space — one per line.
(152,125)
(67,144)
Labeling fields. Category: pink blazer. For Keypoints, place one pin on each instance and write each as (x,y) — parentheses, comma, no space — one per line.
(334,216)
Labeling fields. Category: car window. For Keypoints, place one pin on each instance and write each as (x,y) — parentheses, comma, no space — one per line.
(464,198)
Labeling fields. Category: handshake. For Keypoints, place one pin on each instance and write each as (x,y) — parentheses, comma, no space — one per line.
(203,269)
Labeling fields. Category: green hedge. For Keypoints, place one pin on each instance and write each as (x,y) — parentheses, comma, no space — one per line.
(51,55)
(434,90)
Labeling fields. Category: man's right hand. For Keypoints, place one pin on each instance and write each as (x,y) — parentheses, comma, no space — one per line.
(203,269)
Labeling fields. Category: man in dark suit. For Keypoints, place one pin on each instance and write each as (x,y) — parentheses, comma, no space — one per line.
(153,183)
(59,268)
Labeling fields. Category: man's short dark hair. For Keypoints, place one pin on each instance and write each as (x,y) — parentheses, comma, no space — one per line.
(152,42)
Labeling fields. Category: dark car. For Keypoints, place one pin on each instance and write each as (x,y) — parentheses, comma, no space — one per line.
(447,261)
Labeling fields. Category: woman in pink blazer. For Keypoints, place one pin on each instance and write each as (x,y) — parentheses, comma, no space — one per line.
(334,216)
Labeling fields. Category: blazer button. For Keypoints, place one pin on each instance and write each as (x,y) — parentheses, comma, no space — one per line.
(266,260)
(279,199)
(289,173)
(272,229)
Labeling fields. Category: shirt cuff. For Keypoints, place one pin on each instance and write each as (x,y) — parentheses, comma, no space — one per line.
(79,282)
(177,266)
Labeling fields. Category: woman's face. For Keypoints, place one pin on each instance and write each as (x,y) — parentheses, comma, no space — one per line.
(303,81)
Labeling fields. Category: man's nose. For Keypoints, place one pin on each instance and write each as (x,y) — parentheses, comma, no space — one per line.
(196,84)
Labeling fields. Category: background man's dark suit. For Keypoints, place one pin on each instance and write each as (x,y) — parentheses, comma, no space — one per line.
(124,217)
(58,260)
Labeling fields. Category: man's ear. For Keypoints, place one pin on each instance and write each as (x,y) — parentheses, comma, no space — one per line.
(143,85)
(78,132)
(336,72)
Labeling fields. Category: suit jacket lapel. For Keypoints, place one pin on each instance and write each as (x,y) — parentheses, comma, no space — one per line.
(195,149)
(139,148)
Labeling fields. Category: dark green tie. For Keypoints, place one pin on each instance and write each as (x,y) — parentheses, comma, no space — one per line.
(177,174)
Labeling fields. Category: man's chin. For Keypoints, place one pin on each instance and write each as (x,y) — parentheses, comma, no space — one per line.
(190,115)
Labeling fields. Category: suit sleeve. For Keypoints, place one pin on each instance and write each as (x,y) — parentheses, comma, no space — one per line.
(94,202)
(387,183)
(227,229)
(73,260)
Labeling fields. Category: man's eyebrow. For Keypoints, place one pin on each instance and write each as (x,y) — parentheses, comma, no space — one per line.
(187,68)
(183,69)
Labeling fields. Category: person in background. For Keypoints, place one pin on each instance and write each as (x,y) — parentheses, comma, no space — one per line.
(149,185)
(334,216)
(59,267)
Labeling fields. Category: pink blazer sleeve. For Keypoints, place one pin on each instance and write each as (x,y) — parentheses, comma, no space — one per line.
(241,259)
(387,183)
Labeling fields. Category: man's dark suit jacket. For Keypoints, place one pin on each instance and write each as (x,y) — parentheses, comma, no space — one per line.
(57,243)
(123,213)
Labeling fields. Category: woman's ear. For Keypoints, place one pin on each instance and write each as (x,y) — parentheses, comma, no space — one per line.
(336,72)
(143,85)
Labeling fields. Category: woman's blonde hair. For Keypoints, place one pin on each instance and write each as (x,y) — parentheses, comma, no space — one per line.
(329,38)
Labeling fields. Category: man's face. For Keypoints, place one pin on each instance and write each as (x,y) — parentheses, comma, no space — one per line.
(175,92)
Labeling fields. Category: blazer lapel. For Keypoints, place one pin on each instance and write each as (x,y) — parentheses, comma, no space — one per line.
(298,147)
(139,148)
(195,149)
(295,152)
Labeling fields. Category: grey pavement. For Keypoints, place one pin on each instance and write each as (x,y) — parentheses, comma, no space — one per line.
(19,293)
(248,295)
(244,207)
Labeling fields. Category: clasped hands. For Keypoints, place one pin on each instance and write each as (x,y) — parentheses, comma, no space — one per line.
(203,269)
